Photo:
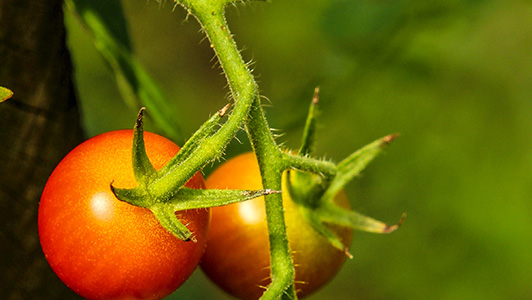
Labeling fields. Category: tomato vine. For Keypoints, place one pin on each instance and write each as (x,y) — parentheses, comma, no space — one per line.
(208,143)
(272,161)
(319,181)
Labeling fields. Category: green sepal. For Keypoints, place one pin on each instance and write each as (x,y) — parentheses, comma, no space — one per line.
(165,214)
(334,214)
(330,213)
(305,188)
(187,198)
(177,171)
(351,166)
(5,94)
(309,132)
(135,196)
(142,167)
(192,144)
(314,219)
(165,202)
(315,196)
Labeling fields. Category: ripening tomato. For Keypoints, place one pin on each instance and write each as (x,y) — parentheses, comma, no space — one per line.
(103,248)
(237,255)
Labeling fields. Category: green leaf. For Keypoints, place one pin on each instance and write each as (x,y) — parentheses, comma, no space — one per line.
(5,94)
(107,23)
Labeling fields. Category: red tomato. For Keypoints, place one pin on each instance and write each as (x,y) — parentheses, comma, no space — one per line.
(237,255)
(103,248)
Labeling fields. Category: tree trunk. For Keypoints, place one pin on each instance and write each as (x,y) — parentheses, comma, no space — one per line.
(38,126)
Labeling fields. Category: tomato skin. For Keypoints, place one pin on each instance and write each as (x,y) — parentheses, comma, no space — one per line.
(103,248)
(237,255)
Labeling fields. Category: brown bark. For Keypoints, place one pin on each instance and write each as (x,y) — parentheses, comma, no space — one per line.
(38,126)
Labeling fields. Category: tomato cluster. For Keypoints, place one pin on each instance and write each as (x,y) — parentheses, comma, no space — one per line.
(103,248)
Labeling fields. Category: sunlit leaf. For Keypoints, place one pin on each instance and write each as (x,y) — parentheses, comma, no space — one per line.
(5,94)
(107,23)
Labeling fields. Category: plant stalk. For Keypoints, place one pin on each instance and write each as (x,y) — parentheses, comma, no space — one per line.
(244,91)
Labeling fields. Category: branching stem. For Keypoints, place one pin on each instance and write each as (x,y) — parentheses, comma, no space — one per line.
(248,110)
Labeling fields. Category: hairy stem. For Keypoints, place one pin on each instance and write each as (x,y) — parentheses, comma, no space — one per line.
(242,85)
(324,168)
(271,165)
(248,109)
(244,88)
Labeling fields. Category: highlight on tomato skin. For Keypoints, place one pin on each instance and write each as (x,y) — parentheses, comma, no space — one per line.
(103,248)
(237,255)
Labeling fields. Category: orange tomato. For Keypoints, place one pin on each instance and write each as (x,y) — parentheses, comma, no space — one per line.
(237,255)
(103,248)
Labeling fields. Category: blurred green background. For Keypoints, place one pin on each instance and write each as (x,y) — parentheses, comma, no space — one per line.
(453,77)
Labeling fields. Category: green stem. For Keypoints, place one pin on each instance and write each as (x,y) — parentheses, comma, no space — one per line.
(165,187)
(245,93)
(242,85)
(269,158)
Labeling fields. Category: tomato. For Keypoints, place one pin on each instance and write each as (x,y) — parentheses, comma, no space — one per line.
(103,248)
(237,255)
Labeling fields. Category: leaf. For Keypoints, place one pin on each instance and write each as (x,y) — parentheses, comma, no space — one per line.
(107,23)
(5,94)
